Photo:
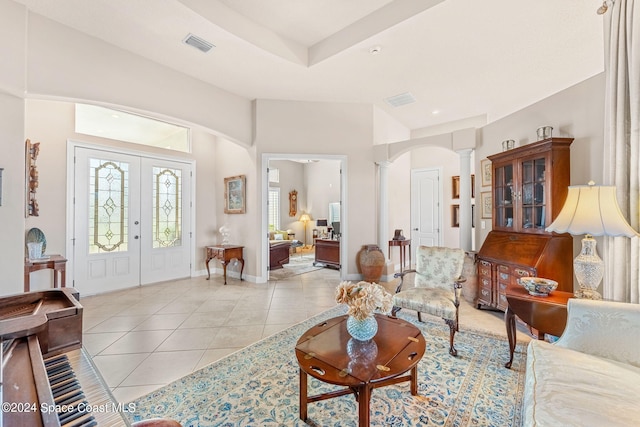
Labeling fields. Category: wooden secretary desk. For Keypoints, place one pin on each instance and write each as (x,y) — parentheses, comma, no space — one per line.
(529,187)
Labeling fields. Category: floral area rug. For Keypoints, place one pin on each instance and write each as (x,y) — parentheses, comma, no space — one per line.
(298,264)
(258,386)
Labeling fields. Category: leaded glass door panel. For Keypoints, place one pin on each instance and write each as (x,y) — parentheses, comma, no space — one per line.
(165,252)
(107,221)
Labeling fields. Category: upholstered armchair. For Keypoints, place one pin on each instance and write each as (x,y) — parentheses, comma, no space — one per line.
(437,286)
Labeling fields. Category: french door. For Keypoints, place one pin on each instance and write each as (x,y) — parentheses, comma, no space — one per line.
(131,220)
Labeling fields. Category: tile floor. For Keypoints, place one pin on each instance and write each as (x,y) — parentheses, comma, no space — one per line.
(143,338)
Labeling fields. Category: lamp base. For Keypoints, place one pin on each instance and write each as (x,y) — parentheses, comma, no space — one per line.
(587,293)
(589,270)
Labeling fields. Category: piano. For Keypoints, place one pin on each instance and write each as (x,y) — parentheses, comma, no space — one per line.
(47,378)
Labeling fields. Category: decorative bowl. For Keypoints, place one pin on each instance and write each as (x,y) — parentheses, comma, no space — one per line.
(538,286)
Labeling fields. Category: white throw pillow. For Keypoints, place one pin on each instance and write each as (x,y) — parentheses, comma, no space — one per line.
(278,237)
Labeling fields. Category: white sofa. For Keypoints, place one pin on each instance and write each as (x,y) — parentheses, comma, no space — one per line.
(591,375)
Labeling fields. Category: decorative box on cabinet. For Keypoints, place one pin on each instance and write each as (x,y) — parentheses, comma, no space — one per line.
(529,188)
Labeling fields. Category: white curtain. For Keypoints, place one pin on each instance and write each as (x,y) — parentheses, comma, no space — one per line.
(622,144)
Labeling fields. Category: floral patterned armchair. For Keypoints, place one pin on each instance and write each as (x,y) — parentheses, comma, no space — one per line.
(437,286)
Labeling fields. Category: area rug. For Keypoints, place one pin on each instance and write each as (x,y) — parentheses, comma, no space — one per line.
(258,386)
(298,264)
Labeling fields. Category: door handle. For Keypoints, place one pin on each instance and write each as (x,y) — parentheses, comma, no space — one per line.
(415,229)
(136,237)
(137,222)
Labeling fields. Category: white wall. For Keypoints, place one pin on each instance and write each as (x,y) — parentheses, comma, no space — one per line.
(330,129)
(12,210)
(576,112)
(42,58)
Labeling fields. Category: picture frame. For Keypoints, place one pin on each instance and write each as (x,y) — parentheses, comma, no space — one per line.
(486,204)
(486,171)
(455,216)
(235,194)
(455,187)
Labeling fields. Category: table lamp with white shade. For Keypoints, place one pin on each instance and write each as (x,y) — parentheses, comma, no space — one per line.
(591,210)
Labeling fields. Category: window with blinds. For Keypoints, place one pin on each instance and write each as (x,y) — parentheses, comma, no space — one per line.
(274,208)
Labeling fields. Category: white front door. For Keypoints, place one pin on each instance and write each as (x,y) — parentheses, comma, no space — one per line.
(131,220)
(425,208)
(165,234)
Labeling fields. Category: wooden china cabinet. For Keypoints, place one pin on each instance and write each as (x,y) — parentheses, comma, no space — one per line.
(529,187)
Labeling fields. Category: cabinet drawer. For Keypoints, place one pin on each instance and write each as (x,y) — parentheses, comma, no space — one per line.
(522,272)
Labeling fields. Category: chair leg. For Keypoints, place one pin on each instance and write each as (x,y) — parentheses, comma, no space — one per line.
(395,310)
(420,316)
(453,327)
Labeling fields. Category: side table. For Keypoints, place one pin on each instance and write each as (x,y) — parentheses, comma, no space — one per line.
(56,262)
(402,244)
(546,314)
(225,253)
(329,354)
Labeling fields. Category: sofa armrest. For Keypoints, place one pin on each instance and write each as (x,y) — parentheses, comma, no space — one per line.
(603,328)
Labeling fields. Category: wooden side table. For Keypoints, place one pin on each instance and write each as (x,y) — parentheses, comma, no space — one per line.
(548,315)
(56,262)
(402,244)
(225,253)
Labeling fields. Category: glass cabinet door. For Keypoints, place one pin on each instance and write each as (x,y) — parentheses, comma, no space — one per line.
(504,197)
(532,193)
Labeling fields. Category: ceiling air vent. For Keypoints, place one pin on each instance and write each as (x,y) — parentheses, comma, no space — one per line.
(198,43)
(400,100)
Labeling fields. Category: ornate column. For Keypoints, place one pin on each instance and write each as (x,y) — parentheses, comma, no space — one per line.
(465,199)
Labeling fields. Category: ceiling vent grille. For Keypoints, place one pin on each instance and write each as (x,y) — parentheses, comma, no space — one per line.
(198,43)
(400,100)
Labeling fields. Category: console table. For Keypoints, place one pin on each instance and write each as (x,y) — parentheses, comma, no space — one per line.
(548,315)
(225,253)
(402,244)
(327,253)
(56,262)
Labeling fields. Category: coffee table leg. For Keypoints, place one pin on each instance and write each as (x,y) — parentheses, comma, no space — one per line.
(303,395)
(414,380)
(364,396)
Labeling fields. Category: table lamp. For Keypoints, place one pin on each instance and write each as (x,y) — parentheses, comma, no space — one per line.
(305,218)
(591,210)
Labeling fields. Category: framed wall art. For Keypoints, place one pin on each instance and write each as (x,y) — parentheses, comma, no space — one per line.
(235,194)
(486,204)
(455,187)
(293,203)
(455,216)
(485,169)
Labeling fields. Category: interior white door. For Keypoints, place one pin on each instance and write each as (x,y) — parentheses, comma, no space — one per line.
(165,233)
(106,221)
(425,208)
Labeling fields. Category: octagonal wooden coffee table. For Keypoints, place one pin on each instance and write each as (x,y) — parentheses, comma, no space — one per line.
(327,352)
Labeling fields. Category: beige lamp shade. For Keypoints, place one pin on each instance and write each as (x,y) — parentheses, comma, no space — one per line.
(305,218)
(592,209)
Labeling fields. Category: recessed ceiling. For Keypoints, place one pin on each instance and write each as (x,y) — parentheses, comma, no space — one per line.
(463,58)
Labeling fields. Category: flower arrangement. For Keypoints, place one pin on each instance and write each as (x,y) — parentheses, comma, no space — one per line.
(363,298)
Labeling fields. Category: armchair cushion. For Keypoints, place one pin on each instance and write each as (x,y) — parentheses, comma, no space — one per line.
(438,302)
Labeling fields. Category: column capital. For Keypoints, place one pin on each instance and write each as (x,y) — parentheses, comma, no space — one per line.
(384,163)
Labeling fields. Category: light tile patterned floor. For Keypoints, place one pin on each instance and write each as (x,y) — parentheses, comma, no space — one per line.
(143,338)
